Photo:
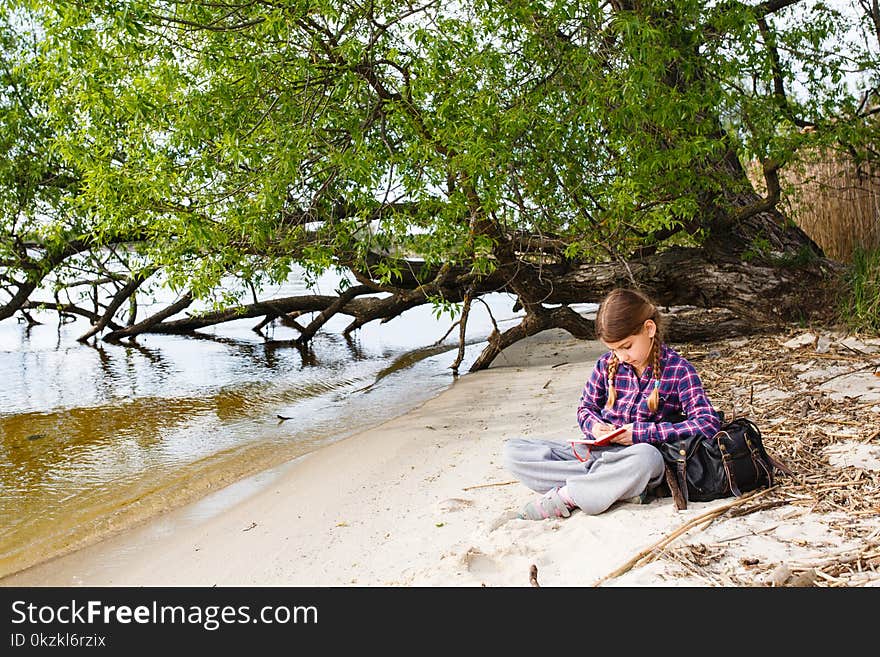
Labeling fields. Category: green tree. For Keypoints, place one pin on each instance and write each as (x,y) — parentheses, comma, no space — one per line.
(550,149)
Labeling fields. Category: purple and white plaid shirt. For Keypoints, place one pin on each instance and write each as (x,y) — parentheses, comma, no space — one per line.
(681,394)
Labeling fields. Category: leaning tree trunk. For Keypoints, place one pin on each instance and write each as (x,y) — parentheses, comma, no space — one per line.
(756,264)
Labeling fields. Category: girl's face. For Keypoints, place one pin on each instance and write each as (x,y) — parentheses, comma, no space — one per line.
(635,349)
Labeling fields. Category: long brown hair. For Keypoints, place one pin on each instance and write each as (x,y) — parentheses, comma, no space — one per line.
(622,314)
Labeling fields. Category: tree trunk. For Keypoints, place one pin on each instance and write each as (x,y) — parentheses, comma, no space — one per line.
(755,264)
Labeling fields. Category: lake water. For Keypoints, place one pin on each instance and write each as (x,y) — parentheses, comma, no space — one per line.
(96,437)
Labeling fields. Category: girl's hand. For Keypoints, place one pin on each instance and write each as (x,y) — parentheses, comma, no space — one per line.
(600,430)
(626,438)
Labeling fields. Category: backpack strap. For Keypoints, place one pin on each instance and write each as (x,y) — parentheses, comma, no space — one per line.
(763,456)
(725,462)
(779,465)
(681,474)
(774,463)
(758,460)
(678,497)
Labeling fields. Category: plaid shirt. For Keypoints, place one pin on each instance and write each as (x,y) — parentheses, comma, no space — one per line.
(681,394)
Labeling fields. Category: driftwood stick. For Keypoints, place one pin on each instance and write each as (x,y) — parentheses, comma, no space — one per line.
(759,507)
(498,483)
(533,575)
(652,552)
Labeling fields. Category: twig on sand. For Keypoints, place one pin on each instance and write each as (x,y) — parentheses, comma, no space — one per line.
(871,437)
(759,507)
(653,552)
(497,483)
(837,376)
(533,575)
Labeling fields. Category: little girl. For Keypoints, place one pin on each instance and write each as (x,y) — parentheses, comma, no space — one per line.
(640,384)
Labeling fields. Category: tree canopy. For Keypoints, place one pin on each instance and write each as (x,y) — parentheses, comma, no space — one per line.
(433,152)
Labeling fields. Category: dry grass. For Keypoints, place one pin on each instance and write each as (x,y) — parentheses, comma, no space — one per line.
(799,423)
(833,201)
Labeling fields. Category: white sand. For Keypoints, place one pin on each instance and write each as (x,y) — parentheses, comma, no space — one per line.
(406,504)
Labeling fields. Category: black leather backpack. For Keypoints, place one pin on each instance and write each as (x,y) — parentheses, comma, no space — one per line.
(730,463)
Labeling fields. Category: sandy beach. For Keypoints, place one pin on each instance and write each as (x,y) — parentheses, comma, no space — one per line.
(422,500)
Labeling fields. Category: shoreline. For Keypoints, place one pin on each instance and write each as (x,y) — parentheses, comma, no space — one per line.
(134,503)
(352,467)
(422,500)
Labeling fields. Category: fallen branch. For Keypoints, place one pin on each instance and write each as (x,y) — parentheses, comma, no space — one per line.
(653,552)
(309,331)
(152,320)
(121,295)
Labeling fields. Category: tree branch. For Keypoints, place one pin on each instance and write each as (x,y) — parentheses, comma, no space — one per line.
(771,177)
(309,331)
(118,299)
(778,83)
(151,321)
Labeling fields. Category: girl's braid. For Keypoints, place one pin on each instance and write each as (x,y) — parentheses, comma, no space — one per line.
(654,398)
(613,362)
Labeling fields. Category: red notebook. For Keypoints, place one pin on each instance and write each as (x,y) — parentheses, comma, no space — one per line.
(604,440)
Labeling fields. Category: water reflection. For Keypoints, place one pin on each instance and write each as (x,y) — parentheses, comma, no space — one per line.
(96,436)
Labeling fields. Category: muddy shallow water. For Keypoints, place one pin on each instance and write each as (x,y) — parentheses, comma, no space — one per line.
(96,437)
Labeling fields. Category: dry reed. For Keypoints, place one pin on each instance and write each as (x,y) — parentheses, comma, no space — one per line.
(834,201)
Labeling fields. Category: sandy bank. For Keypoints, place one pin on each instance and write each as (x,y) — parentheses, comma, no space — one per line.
(423,500)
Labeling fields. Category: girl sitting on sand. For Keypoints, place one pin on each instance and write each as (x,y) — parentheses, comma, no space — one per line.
(640,384)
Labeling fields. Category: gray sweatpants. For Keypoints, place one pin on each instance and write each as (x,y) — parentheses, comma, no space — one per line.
(612,473)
